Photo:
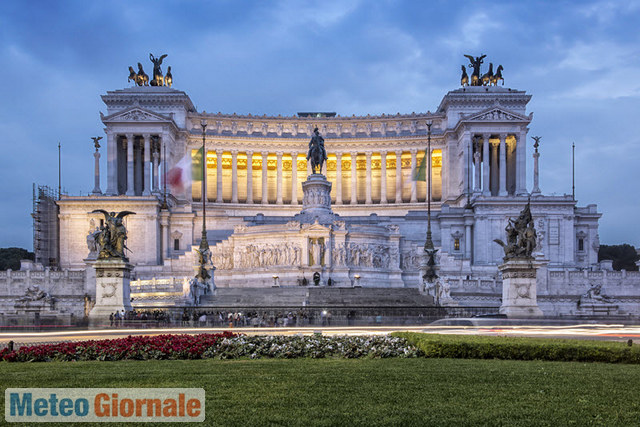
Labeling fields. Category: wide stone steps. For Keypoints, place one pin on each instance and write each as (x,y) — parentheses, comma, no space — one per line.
(316,297)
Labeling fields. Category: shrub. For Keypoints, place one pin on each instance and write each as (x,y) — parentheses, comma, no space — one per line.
(516,348)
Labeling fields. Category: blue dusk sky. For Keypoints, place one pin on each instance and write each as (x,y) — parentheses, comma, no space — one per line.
(580,60)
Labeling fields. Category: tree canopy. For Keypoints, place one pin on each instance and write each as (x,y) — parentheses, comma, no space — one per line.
(623,256)
(10,257)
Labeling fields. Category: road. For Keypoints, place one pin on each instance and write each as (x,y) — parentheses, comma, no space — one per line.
(578,331)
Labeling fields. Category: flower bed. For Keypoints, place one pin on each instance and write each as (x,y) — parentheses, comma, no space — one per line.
(218,346)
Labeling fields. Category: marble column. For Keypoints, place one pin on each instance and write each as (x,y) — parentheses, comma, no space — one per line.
(219,176)
(485,165)
(156,166)
(137,168)
(369,180)
(112,164)
(338,178)
(249,177)
(265,192)
(147,160)
(468,222)
(294,178)
(476,169)
(130,189)
(414,187)
(521,163)
(444,178)
(96,174)
(354,178)
(279,177)
(398,177)
(503,165)
(495,177)
(536,176)
(234,176)
(383,177)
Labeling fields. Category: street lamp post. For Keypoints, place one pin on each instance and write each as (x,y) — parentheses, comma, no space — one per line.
(204,244)
(430,272)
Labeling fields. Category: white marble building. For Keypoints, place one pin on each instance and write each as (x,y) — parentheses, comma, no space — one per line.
(255,168)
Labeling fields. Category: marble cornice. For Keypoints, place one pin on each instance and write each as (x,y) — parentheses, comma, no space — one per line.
(157,97)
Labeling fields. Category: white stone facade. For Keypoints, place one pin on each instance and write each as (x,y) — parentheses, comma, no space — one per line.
(255,169)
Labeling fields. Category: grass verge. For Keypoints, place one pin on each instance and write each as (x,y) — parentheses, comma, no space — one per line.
(366,392)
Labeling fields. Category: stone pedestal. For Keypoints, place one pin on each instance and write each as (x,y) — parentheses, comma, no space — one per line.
(519,289)
(316,201)
(112,289)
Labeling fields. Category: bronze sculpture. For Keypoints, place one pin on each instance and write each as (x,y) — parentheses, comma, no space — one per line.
(486,77)
(96,141)
(132,75)
(168,79)
(158,79)
(317,153)
(464,80)
(141,78)
(521,236)
(112,235)
(497,76)
(475,64)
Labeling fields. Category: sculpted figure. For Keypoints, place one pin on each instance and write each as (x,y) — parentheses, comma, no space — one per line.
(497,76)
(158,80)
(464,80)
(475,64)
(141,78)
(317,153)
(521,236)
(168,79)
(111,237)
(486,77)
(132,75)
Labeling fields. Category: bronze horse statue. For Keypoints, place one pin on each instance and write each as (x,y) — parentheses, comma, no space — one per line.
(464,80)
(317,153)
(168,79)
(132,75)
(141,78)
(486,77)
(497,76)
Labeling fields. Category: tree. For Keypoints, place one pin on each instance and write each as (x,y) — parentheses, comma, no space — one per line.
(10,257)
(623,256)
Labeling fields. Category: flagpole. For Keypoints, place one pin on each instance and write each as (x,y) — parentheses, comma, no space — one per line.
(573,171)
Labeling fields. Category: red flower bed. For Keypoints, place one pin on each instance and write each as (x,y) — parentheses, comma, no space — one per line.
(137,347)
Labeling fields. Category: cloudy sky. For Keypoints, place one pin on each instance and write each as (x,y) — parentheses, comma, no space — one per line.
(580,60)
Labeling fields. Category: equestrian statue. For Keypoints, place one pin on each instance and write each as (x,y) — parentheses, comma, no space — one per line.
(317,154)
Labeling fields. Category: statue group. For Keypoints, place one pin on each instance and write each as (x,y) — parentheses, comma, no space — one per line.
(140,78)
(110,238)
(317,154)
(521,236)
(487,79)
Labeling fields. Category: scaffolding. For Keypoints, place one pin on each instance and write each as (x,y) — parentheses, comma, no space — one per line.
(46,229)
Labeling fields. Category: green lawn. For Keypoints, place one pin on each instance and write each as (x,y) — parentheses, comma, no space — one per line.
(370,391)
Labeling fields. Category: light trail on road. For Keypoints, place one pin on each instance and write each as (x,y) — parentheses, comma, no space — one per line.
(615,332)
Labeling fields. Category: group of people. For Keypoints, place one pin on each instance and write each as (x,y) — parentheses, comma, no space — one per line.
(245,319)
(119,318)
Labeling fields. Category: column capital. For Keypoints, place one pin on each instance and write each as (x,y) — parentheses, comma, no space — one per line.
(399,153)
(339,155)
(249,153)
(368,154)
(146,136)
(264,153)
(413,151)
(234,152)
(294,154)
(486,136)
(129,136)
(219,151)
(503,136)
(279,153)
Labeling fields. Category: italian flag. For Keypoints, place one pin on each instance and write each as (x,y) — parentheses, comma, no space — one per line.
(421,172)
(187,170)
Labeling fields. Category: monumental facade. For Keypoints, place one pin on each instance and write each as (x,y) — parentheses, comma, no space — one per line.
(255,169)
